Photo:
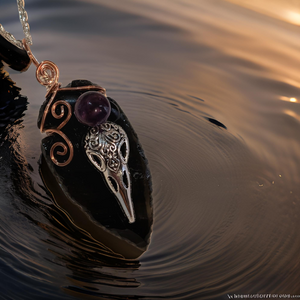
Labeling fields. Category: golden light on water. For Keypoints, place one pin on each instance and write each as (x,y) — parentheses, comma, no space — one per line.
(293,17)
(288,99)
(287,10)
(292,114)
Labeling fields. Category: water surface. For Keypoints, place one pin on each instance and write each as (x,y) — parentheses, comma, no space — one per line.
(212,90)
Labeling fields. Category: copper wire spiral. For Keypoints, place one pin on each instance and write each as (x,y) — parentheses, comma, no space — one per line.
(63,146)
(61,104)
(47,74)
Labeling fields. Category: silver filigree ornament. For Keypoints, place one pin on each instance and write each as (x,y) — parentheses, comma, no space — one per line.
(107,147)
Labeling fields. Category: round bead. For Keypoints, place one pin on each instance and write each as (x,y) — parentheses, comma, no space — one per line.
(92,108)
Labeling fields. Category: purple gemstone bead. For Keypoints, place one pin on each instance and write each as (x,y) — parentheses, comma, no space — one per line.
(92,108)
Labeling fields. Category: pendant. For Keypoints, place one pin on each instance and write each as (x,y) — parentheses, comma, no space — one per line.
(93,164)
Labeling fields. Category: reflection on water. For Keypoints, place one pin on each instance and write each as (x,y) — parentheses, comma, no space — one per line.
(212,90)
(288,10)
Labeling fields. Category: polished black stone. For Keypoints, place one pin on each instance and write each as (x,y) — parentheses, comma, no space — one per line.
(80,189)
(13,56)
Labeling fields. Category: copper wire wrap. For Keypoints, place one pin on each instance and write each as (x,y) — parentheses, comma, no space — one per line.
(64,147)
(65,111)
(47,74)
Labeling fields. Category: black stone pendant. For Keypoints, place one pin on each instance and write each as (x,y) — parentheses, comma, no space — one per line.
(98,175)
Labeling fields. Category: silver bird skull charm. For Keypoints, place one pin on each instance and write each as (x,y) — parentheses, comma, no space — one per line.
(107,147)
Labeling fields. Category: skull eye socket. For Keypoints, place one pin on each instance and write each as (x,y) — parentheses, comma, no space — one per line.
(97,160)
(123,150)
(113,184)
(125,179)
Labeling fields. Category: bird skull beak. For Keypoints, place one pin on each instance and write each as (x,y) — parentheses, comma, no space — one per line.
(107,147)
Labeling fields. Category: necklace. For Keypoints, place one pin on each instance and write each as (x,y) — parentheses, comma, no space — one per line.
(90,151)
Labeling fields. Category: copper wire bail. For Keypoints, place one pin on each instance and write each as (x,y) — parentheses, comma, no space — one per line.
(47,72)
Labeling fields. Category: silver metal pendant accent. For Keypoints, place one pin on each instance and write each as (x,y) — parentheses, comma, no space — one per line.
(107,147)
